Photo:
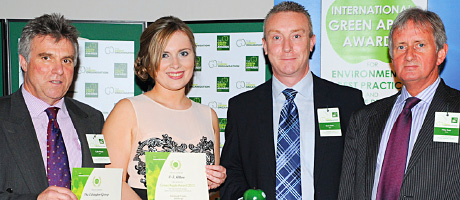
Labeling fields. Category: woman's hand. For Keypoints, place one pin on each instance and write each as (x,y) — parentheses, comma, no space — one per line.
(216,175)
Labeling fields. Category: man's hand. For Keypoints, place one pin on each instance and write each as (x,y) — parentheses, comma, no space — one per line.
(216,175)
(57,193)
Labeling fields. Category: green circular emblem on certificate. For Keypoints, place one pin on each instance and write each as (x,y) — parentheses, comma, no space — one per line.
(175,164)
(97,181)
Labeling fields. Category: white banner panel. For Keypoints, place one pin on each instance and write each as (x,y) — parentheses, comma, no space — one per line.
(354,40)
(227,64)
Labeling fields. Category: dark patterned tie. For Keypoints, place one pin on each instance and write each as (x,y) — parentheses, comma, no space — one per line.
(394,163)
(58,164)
(288,181)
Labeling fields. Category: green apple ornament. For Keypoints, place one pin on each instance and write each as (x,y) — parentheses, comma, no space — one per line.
(254,194)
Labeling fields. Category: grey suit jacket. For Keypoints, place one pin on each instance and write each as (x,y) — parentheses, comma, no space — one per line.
(22,172)
(433,171)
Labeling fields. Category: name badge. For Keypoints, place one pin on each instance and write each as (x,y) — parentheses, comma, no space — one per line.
(329,122)
(446,127)
(98,148)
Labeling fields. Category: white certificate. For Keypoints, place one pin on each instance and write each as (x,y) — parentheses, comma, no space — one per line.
(97,183)
(178,176)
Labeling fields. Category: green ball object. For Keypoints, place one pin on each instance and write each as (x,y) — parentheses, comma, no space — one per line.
(254,194)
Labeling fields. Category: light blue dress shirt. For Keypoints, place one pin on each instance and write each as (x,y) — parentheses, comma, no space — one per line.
(305,106)
(418,116)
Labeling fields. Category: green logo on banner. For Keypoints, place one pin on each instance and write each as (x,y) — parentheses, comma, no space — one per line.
(334,114)
(252,63)
(91,89)
(198,63)
(222,124)
(101,141)
(120,70)
(195,99)
(223,84)
(91,49)
(358,29)
(454,120)
(223,43)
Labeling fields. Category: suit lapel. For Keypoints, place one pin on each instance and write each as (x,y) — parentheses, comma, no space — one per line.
(81,124)
(265,123)
(321,100)
(377,121)
(425,136)
(20,133)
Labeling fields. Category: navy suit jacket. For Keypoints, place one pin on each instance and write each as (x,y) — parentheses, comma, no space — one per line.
(22,171)
(249,150)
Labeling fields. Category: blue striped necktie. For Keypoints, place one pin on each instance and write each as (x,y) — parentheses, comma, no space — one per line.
(288,181)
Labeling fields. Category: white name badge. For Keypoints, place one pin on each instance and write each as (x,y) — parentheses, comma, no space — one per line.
(98,148)
(446,127)
(97,183)
(176,176)
(329,122)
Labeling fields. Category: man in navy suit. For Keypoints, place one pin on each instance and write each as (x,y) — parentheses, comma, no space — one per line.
(252,129)
(48,51)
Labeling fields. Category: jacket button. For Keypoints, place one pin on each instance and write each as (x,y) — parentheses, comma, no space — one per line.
(9,190)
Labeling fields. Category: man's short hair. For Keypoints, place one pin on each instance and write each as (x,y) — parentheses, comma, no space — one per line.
(289,6)
(422,19)
(54,25)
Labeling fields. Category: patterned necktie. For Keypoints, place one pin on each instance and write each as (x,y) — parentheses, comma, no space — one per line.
(58,164)
(288,182)
(394,163)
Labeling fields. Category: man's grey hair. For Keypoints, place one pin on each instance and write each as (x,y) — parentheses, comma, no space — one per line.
(423,19)
(54,25)
(289,6)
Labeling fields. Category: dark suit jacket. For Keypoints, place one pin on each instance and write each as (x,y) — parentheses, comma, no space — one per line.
(249,153)
(433,171)
(22,172)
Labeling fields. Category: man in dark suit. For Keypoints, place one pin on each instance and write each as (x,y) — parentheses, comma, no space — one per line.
(393,149)
(48,51)
(251,136)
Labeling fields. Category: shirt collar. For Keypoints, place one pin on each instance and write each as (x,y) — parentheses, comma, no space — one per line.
(304,87)
(425,96)
(37,106)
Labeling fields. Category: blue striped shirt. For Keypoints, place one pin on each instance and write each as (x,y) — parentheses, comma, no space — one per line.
(418,116)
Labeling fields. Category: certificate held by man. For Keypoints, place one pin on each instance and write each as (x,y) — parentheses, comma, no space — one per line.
(177,176)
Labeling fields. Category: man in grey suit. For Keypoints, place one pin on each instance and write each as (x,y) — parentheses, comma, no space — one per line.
(48,51)
(393,149)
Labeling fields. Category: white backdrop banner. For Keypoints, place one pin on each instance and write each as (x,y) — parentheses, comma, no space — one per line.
(227,64)
(354,40)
